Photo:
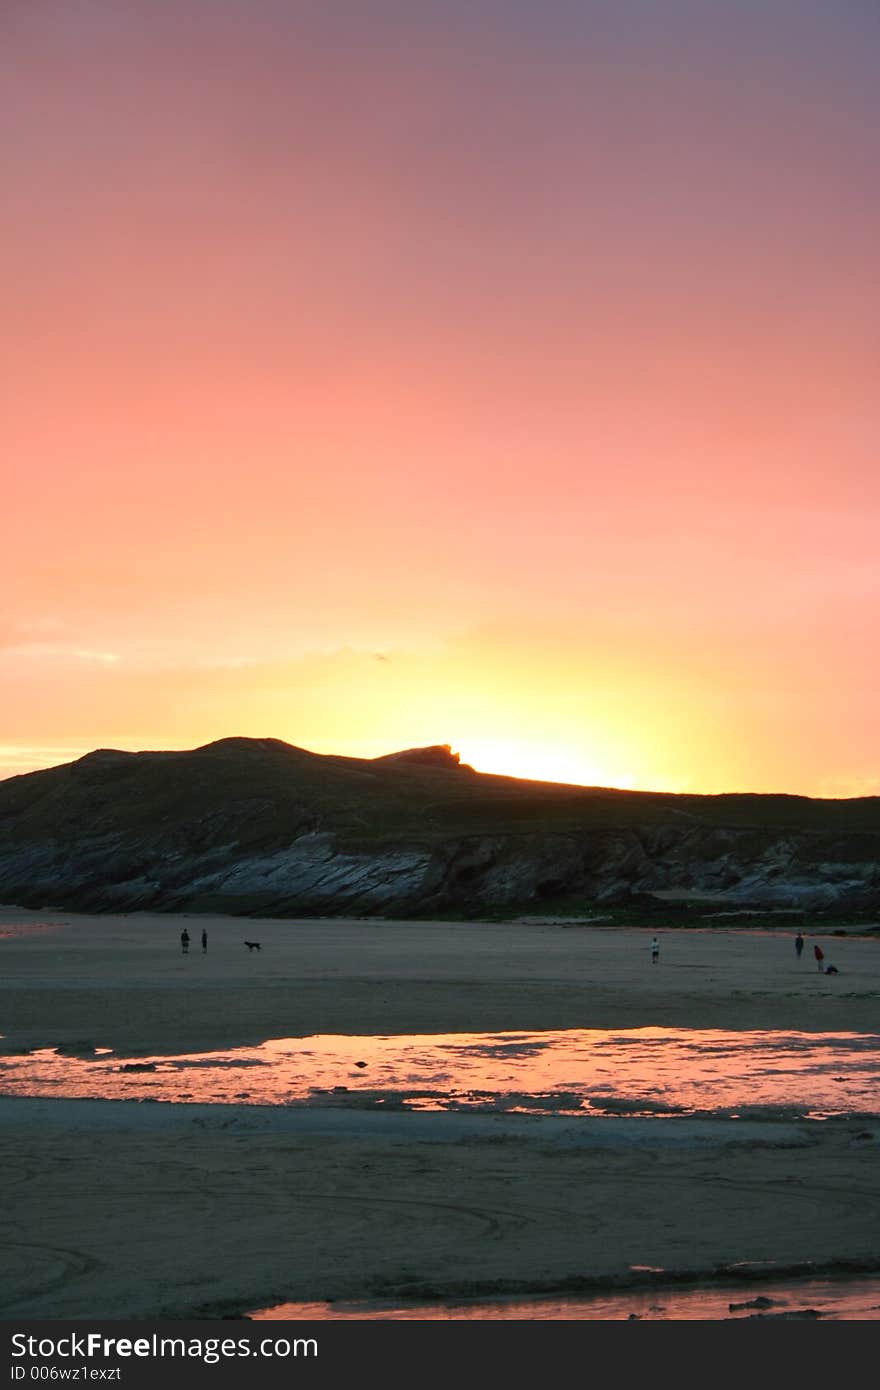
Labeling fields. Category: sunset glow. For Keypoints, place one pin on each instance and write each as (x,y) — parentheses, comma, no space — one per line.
(494,374)
(564,763)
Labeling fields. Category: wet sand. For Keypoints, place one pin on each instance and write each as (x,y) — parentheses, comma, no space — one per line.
(141,1209)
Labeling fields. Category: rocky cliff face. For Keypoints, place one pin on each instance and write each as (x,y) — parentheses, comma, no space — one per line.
(255,826)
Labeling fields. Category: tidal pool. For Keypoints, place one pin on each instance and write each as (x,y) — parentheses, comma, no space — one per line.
(827,1299)
(590,1072)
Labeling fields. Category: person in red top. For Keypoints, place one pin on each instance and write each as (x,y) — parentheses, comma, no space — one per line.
(820,956)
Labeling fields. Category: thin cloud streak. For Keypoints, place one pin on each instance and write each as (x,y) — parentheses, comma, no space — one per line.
(39,650)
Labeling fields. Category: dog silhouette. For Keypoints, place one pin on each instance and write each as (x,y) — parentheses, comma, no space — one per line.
(252,945)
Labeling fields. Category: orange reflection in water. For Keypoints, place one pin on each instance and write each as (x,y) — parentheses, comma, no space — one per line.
(641,1071)
(843,1300)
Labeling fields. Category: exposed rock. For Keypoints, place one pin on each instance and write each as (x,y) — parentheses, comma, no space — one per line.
(438,755)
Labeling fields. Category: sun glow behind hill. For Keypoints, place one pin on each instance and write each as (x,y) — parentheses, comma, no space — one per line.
(536,760)
(545,762)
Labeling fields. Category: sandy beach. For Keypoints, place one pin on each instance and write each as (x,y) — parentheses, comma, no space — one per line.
(134,1209)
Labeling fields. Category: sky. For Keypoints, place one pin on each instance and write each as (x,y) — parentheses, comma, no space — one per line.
(483,372)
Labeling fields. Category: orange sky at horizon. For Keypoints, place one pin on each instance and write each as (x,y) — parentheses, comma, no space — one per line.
(479,373)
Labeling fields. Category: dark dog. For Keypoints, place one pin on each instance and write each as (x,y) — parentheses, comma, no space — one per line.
(252,945)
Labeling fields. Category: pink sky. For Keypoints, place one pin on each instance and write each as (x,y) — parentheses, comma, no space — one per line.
(485,373)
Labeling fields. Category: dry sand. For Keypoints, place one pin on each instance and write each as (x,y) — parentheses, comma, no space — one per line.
(122,1209)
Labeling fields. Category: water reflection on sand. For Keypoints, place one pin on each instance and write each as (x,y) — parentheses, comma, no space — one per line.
(838,1300)
(640,1071)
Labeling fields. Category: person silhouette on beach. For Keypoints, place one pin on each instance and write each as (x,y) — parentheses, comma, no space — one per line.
(820,956)
(204,941)
(799,945)
(184,941)
(655,950)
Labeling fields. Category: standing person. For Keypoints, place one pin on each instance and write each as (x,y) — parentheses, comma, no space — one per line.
(184,941)
(799,945)
(204,940)
(655,950)
(820,956)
